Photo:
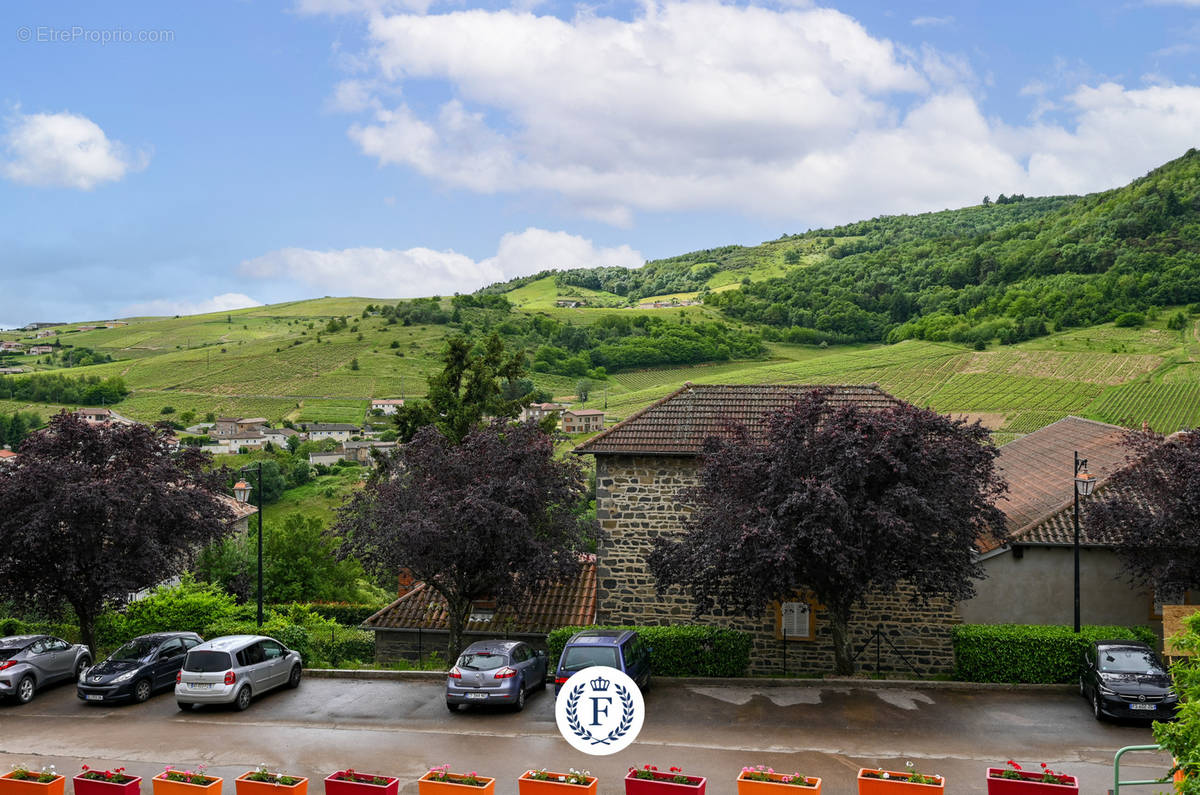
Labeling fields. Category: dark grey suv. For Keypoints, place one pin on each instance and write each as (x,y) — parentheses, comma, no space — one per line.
(137,669)
(30,662)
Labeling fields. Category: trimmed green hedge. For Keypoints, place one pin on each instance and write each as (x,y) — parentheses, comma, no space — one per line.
(1030,653)
(682,650)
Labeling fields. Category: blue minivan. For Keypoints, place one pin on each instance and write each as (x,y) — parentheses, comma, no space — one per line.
(622,649)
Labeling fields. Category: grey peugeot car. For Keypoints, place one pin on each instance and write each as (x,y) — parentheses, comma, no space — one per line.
(235,668)
(136,670)
(495,672)
(30,662)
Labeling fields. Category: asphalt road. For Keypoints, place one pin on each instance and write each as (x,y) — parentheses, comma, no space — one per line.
(403,728)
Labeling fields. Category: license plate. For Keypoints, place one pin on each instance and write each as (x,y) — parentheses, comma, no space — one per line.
(199,686)
(92,697)
(1143,706)
(477,695)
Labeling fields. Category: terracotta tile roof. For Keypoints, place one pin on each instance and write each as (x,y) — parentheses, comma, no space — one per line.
(1039,470)
(563,605)
(584,412)
(7,454)
(679,423)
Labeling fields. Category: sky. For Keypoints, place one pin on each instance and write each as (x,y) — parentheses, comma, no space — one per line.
(176,158)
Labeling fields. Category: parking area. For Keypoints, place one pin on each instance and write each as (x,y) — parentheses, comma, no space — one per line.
(402,728)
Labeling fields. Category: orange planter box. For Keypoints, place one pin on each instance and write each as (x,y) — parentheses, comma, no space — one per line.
(533,786)
(244,786)
(164,786)
(749,786)
(12,786)
(426,786)
(869,785)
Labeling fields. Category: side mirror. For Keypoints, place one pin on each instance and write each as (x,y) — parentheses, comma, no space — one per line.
(539,652)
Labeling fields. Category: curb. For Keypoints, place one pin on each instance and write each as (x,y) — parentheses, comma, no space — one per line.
(752,682)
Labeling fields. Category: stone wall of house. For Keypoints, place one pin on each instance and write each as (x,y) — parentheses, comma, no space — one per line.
(396,645)
(638,499)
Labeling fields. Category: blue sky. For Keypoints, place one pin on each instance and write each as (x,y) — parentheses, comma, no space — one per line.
(169,158)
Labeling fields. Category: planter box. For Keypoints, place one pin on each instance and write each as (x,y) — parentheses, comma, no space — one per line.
(426,786)
(532,786)
(90,786)
(11,786)
(659,786)
(1028,784)
(244,786)
(163,786)
(748,786)
(868,785)
(336,786)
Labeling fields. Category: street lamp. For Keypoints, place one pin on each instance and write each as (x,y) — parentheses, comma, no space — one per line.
(1084,483)
(241,490)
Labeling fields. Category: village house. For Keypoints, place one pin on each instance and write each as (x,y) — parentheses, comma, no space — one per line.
(539,411)
(416,623)
(46,333)
(251,425)
(224,426)
(387,406)
(87,328)
(11,370)
(361,451)
(582,420)
(278,436)
(115,324)
(7,456)
(251,440)
(327,457)
(338,431)
(11,346)
(38,350)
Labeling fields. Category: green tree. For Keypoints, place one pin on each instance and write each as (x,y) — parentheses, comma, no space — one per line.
(300,564)
(468,388)
(583,388)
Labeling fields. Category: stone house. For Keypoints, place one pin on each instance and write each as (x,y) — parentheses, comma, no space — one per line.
(361,451)
(415,624)
(387,406)
(642,466)
(224,426)
(278,436)
(538,411)
(582,420)
(338,431)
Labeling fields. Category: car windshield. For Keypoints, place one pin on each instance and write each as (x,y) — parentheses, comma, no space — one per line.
(7,653)
(207,661)
(576,658)
(1128,661)
(482,661)
(135,649)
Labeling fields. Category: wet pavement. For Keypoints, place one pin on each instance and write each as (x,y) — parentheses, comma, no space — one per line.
(403,728)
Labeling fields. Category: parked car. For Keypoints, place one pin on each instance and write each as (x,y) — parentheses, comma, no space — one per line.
(235,668)
(30,662)
(1125,679)
(620,649)
(139,668)
(495,672)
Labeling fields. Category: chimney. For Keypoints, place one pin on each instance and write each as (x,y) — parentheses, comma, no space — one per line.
(405,582)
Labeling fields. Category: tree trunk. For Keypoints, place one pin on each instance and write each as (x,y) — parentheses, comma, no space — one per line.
(457,613)
(87,627)
(843,651)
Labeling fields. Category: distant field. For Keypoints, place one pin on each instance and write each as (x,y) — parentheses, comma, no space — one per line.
(279,362)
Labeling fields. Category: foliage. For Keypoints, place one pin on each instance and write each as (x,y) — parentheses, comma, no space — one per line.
(263,774)
(466,390)
(91,513)
(1181,738)
(490,517)
(114,776)
(841,501)
(189,606)
(16,426)
(442,773)
(273,481)
(1030,653)
(84,390)
(1151,513)
(764,773)
(348,615)
(320,641)
(43,776)
(196,776)
(572,776)
(678,650)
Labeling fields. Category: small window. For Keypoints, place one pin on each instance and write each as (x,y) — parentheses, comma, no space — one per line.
(254,654)
(482,614)
(520,654)
(795,621)
(271,650)
(54,644)
(172,648)
(207,661)
(190,643)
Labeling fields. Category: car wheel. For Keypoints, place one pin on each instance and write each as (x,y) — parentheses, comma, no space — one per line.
(243,699)
(183,707)
(1096,713)
(141,691)
(452,707)
(294,679)
(520,705)
(25,690)
(84,662)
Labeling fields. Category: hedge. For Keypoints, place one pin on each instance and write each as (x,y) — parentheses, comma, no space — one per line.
(348,615)
(1030,653)
(678,650)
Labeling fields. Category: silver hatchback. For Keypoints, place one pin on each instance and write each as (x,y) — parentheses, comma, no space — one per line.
(234,669)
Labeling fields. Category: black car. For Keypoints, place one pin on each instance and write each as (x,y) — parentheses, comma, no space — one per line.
(137,669)
(1124,679)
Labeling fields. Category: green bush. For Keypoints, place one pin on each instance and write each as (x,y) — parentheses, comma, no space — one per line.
(683,650)
(1030,653)
(344,613)
(189,606)
(320,641)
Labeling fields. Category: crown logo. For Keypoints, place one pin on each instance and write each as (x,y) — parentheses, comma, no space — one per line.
(600,683)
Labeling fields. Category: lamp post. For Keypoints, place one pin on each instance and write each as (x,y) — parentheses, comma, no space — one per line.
(1084,483)
(241,490)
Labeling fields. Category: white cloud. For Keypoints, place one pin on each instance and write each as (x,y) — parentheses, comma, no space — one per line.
(789,113)
(64,150)
(421,271)
(165,306)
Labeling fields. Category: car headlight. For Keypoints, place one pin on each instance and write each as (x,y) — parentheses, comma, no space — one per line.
(1105,690)
(125,677)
